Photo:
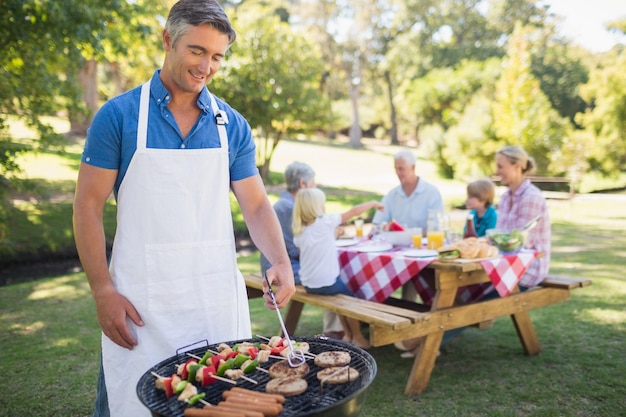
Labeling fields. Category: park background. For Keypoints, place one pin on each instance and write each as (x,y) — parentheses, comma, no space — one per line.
(454,84)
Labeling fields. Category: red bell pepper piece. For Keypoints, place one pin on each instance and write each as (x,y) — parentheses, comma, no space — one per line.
(231,355)
(207,375)
(215,361)
(185,371)
(277,349)
(253,352)
(167,384)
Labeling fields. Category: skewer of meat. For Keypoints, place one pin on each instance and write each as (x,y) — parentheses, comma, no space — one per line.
(232,374)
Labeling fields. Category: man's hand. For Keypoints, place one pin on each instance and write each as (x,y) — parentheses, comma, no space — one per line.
(281,277)
(113,308)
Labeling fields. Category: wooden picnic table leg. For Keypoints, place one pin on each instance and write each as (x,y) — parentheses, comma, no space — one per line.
(525,330)
(428,350)
(293,316)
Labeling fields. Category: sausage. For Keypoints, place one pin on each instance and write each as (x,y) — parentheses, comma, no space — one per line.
(240,399)
(268,409)
(245,397)
(234,409)
(211,411)
(277,397)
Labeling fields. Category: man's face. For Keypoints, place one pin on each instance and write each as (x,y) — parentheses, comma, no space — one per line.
(195,59)
(404,171)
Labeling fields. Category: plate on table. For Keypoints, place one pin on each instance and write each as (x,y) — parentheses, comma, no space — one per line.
(376,247)
(340,243)
(420,253)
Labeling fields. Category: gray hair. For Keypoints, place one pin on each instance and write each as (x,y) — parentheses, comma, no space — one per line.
(295,172)
(187,13)
(406,155)
(517,155)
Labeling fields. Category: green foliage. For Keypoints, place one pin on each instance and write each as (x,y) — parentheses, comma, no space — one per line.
(522,113)
(270,81)
(605,120)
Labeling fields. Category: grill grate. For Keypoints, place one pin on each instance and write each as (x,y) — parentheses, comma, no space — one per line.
(311,402)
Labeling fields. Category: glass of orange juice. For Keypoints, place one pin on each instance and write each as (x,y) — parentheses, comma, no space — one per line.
(358,224)
(435,239)
(417,237)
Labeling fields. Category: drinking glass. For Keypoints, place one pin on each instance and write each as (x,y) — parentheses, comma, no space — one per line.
(435,231)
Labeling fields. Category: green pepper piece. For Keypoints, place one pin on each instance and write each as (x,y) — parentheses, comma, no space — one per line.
(251,367)
(225,366)
(240,359)
(205,358)
(196,398)
(193,369)
(180,387)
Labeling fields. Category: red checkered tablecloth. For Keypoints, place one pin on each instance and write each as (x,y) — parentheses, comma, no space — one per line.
(375,276)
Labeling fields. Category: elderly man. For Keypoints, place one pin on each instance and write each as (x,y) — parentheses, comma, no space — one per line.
(409,202)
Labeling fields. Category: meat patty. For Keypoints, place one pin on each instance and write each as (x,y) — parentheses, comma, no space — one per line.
(287,386)
(281,369)
(337,375)
(332,358)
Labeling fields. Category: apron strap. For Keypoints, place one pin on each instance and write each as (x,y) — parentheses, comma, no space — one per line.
(142,126)
(222,120)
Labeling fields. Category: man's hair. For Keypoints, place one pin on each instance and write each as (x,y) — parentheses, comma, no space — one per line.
(295,172)
(483,189)
(406,155)
(187,13)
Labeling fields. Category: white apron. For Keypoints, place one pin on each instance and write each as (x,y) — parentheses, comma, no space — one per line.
(173,258)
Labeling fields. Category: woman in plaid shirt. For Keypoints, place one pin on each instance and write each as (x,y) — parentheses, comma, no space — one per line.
(519,204)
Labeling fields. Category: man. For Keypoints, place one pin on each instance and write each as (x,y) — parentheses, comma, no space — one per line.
(298,175)
(409,202)
(169,151)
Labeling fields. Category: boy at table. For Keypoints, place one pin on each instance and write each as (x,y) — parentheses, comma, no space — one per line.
(480,195)
(314,234)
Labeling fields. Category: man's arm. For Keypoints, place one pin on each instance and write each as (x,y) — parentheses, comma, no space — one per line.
(266,234)
(93,188)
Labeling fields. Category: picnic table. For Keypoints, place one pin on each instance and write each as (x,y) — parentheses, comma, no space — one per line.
(453,299)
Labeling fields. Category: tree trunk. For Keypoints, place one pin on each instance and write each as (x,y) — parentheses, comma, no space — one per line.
(88,81)
(392,110)
(355,129)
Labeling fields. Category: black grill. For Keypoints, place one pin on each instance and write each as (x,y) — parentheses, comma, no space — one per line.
(316,400)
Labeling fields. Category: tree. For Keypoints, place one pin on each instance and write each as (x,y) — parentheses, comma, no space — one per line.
(605,120)
(522,114)
(271,81)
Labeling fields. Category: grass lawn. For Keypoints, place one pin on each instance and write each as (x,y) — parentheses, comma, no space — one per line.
(49,337)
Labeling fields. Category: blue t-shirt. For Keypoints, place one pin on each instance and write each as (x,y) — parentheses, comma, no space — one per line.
(112,138)
(488,221)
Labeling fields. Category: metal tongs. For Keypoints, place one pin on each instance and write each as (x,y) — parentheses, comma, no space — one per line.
(295,357)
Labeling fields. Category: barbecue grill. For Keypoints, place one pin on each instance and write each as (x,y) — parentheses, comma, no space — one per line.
(341,400)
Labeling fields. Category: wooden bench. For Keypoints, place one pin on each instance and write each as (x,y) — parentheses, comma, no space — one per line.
(390,323)
(387,317)
(375,314)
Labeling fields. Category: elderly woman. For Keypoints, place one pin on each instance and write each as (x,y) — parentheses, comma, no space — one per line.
(519,204)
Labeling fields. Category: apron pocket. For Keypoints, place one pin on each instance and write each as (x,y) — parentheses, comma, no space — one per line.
(187,276)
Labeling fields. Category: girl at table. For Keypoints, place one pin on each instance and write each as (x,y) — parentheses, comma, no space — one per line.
(314,234)
(480,195)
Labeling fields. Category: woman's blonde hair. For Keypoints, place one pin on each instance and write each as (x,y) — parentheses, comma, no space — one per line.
(310,204)
(517,155)
(483,189)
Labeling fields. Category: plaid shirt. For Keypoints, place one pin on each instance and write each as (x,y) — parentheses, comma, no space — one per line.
(514,211)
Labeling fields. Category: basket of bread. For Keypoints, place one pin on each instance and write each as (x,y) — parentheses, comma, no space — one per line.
(468,248)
